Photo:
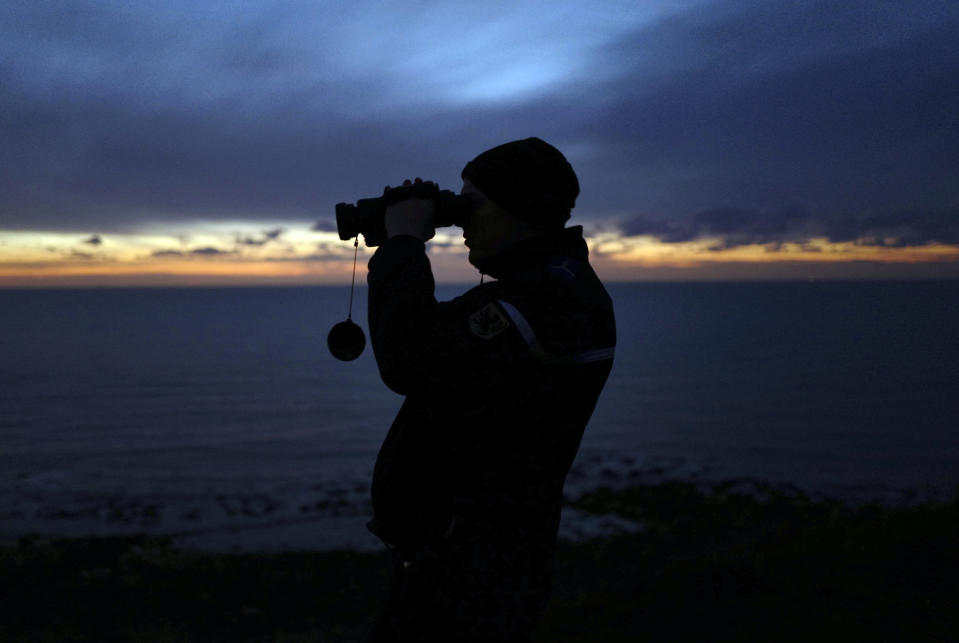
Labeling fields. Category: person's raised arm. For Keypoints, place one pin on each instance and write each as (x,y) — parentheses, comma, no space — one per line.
(402,307)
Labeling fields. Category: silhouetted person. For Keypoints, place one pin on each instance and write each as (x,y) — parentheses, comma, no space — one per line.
(499,383)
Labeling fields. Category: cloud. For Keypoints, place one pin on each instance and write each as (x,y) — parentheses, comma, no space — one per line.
(94,240)
(166,253)
(268,236)
(845,105)
(731,226)
(736,225)
(209,251)
(897,228)
(280,110)
(324,225)
(320,252)
(316,257)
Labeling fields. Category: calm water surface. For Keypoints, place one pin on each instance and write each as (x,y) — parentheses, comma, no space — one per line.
(225,400)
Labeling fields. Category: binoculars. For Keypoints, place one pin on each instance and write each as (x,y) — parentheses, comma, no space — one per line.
(366,216)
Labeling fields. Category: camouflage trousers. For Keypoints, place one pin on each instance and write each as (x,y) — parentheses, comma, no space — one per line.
(472,587)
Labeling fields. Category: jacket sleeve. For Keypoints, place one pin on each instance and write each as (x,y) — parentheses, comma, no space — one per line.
(417,341)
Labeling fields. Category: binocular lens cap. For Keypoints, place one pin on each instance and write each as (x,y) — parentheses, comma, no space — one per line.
(346,341)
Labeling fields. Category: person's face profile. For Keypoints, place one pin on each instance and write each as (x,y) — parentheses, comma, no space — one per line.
(489,229)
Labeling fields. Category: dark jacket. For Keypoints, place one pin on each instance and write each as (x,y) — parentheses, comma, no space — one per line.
(499,383)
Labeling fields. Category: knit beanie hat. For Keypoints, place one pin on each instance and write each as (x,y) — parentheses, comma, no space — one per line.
(528,178)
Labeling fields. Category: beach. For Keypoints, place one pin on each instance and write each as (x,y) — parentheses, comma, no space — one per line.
(727,562)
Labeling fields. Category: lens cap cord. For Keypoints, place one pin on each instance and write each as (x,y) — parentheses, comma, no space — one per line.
(347,340)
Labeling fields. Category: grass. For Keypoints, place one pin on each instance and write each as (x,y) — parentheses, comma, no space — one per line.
(713,564)
(726,566)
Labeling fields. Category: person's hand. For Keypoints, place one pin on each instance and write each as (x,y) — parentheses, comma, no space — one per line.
(413,217)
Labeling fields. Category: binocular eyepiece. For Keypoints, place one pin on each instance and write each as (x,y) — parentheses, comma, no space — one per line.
(366,216)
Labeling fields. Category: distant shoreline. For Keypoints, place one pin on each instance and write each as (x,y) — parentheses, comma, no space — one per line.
(344,529)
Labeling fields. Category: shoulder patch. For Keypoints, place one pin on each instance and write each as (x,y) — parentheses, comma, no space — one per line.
(488,321)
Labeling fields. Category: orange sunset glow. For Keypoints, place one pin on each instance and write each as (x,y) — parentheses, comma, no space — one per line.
(299,256)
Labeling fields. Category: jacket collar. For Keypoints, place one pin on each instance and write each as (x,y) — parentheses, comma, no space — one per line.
(535,253)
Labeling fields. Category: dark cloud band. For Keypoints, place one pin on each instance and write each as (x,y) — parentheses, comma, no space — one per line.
(112,120)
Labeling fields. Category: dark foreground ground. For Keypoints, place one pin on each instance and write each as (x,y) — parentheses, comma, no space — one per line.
(712,565)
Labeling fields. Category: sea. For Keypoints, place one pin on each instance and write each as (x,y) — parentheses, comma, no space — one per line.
(218,417)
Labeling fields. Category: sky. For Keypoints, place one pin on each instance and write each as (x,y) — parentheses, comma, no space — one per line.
(177,143)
